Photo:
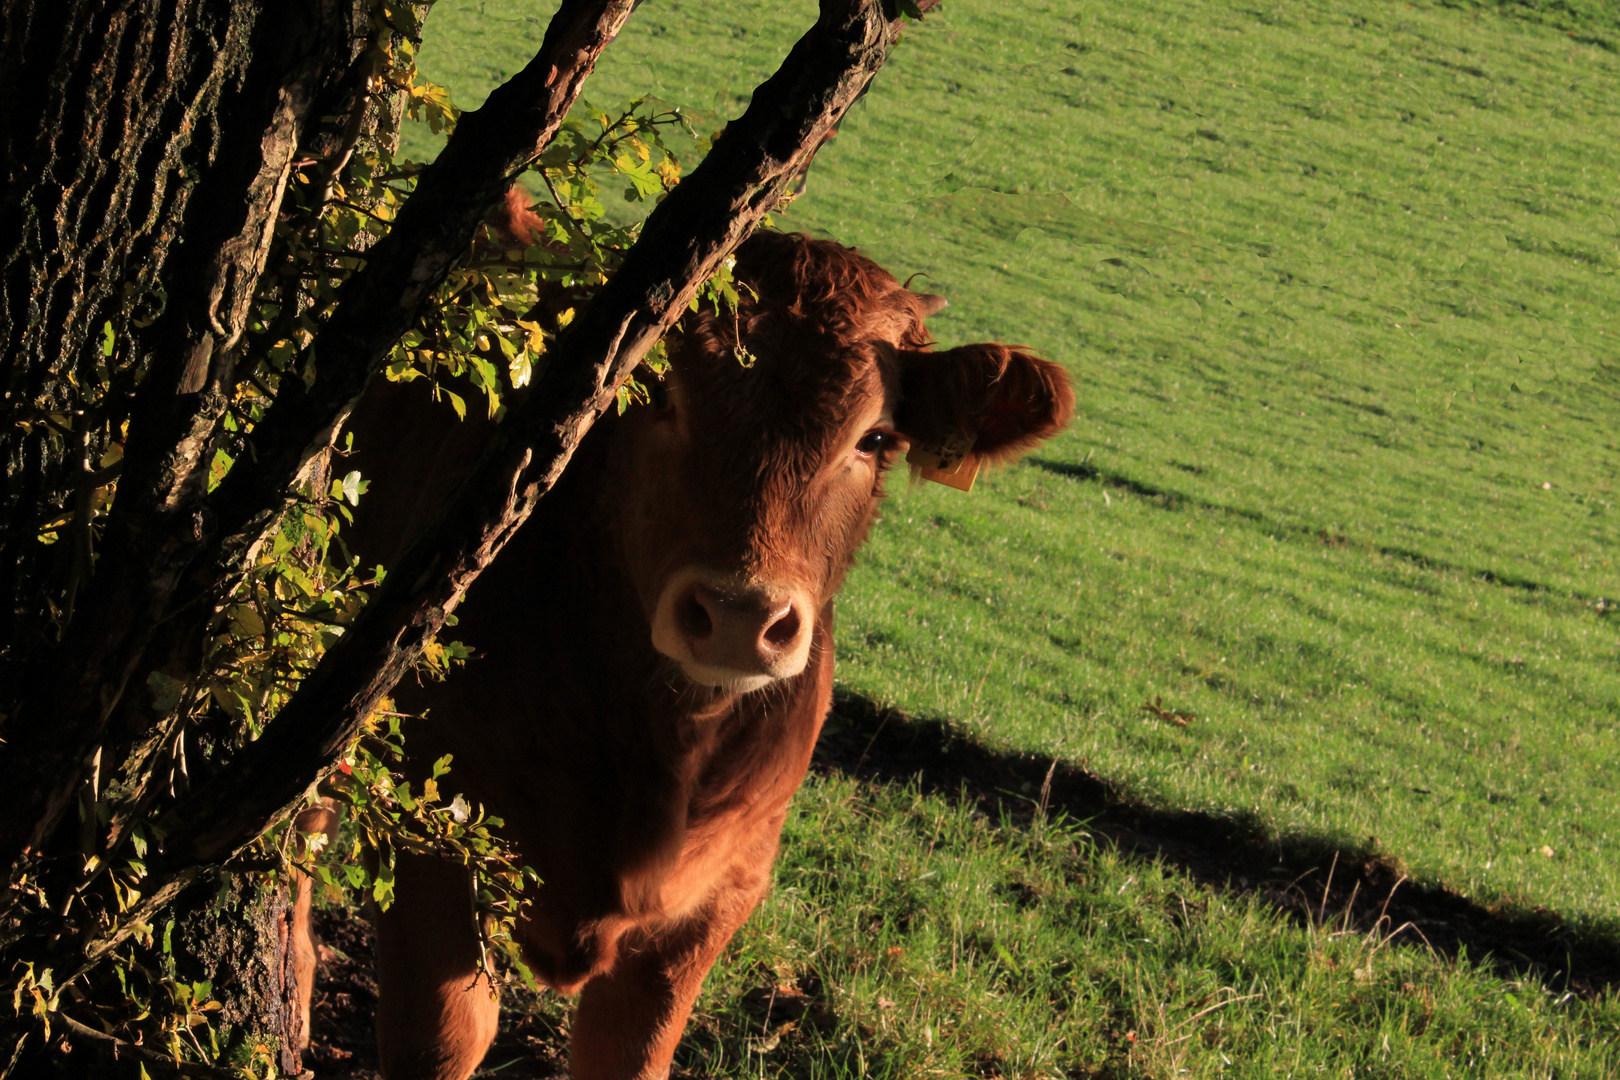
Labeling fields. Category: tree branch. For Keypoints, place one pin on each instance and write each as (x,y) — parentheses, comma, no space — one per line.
(683,243)
(166,1065)
(434,230)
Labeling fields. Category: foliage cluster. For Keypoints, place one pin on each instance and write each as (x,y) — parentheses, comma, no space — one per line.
(490,322)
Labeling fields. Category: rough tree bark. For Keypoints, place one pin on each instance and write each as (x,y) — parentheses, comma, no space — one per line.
(146,154)
(146,146)
(207,102)
(164,520)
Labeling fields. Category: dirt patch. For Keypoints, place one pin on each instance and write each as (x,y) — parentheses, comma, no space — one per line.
(341,1042)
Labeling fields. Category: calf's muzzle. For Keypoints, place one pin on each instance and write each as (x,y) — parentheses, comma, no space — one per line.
(731,633)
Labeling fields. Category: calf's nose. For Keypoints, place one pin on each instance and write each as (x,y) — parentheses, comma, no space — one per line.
(731,634)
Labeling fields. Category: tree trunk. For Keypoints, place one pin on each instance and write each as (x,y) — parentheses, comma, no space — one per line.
(236,938)
(147,168)
(226,946)
(146,146)
(111,127)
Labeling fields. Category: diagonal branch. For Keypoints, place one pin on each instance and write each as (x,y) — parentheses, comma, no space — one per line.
(683,243)
(434,230)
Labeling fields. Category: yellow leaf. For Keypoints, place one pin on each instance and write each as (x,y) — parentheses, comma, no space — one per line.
(247,620)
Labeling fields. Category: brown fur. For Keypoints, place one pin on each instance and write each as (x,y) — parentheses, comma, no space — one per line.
(514,221)
(651,805)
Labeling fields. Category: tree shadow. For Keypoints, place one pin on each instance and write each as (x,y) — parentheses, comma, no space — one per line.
(1306,877)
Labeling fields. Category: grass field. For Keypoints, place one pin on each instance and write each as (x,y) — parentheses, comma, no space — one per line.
(1338,288)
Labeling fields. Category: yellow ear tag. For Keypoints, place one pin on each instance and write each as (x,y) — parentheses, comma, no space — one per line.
(950,463)
(961,478)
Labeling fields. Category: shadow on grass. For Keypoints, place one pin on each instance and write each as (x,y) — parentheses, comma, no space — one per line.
(1306,877)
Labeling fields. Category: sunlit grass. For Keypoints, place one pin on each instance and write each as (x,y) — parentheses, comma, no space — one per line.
(1296,259)
(935,942)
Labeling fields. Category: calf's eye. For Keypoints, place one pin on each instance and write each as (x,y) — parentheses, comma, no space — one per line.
(878,442)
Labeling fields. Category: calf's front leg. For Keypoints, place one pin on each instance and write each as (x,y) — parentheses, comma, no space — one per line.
(436,1009)
(630,1019)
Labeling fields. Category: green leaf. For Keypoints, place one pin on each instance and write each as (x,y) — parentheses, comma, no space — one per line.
(405,20)
(1006,957)
(382,890)
(166,691)
(352,488)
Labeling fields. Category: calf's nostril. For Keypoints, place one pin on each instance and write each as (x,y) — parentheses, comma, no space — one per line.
(693,616)
(783,631)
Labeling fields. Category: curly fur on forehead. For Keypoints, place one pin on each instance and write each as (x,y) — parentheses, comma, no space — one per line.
(848,296)
(824,323)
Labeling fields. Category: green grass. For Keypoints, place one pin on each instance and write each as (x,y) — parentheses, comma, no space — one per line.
(961,946)
(1310,359)
(1338,288)
(908,936)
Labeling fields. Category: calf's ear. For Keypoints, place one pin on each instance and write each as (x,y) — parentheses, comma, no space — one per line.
(990,401)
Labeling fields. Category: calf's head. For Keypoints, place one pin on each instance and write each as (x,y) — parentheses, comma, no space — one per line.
(744,490)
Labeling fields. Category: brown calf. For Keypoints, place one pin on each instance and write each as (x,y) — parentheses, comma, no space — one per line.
(656,644)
